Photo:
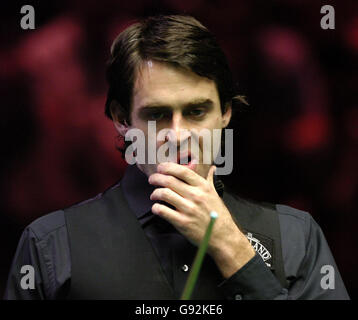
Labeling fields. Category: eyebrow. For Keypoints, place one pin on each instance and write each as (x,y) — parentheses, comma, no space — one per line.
(199,102)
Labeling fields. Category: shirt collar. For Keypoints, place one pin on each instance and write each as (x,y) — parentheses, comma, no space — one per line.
(137,190)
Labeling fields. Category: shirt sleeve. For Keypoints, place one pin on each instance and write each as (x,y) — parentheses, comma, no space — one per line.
(316,276)
(19,280)
(254,281)
(43,247)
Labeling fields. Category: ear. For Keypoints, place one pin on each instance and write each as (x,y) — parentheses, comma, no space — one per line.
(121,127)
(226,117)
(119,122)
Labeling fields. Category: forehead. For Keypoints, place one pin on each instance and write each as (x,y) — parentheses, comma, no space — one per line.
(161,83)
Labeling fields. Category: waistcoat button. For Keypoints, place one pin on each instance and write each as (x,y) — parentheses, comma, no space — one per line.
(185,268)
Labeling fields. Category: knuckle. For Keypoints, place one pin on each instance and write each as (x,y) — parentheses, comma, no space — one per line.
(197,197)
(165,192)
(169,179)
(183,172)
(187,175)
(166,166)
(191,207)
(206,188)
(158,177)
(158,193)
(192,193)
(182,223)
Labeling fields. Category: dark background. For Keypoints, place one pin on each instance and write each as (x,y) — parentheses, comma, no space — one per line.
(296,144)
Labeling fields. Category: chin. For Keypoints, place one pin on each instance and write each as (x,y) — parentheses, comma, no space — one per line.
(148,169)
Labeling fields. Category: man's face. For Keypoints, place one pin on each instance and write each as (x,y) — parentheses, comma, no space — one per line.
(176,99)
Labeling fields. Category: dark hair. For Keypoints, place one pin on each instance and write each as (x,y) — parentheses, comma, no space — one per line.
(181,41)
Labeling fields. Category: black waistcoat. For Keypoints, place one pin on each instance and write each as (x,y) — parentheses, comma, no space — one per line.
(111,257)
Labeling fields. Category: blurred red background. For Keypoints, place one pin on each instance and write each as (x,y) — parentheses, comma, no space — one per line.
(296,144)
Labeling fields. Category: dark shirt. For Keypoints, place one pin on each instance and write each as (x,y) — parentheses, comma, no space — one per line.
(44,245)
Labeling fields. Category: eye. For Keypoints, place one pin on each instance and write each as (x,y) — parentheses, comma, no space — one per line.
(156,115)
(196,113)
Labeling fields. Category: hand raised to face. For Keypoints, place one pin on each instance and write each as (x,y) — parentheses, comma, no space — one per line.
(194,197)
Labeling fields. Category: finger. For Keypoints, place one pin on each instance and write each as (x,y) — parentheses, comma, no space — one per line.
(210,176)
(171,182)
(171,197)
(167,213)
(181,172)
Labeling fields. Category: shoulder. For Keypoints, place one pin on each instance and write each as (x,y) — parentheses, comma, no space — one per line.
(55,221)
(297,229)
(96,203)
(286,214)
(293,213)
(45,225)
(295,221)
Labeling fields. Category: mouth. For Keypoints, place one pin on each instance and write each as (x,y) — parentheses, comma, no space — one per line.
(187,160)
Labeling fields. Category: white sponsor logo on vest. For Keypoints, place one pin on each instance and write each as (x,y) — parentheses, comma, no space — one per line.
(260,248)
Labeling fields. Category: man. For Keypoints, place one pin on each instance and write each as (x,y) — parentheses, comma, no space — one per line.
(138,239)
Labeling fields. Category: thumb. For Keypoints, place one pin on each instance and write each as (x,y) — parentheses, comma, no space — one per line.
(210,176)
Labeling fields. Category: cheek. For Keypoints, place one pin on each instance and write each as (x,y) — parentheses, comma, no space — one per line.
(213,122)
(141,125)
(218,122)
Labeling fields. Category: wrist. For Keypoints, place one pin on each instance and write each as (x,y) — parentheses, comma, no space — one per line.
(232,255)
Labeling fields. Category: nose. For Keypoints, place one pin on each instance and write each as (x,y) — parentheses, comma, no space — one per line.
(177,122)
(180,131)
